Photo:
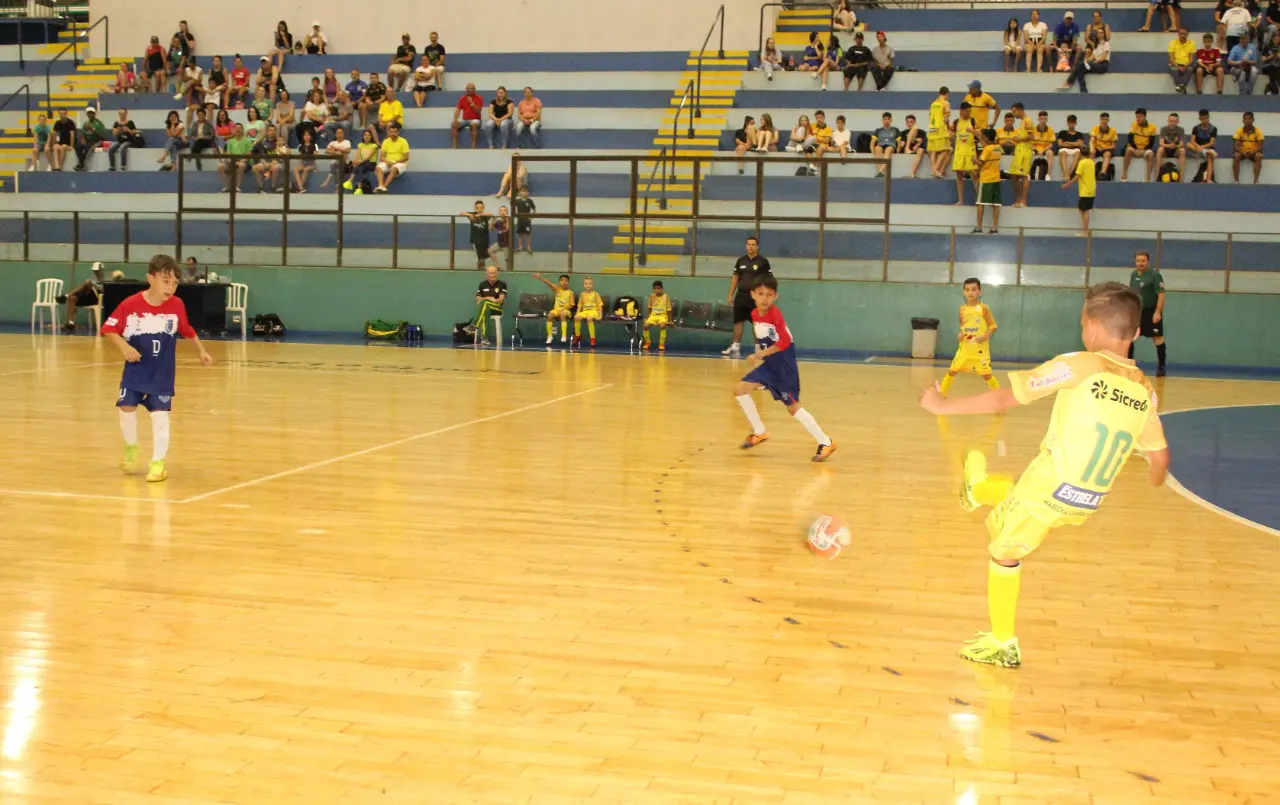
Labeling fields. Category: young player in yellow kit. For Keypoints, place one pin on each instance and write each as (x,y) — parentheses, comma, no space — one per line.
(590,310)
(977,325)
(561,308)
(1104,409)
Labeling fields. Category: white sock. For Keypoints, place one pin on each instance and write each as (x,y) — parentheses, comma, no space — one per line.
(129,426)
(753,416)
(810,424)
(159,434)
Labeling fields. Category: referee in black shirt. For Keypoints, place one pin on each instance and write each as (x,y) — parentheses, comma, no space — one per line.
(746,272)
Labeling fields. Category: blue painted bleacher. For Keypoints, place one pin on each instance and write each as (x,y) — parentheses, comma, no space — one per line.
(965,21)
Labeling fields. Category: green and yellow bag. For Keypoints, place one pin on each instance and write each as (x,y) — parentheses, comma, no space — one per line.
(385,330)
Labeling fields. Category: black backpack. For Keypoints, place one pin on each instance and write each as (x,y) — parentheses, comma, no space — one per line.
(863,144)
(268,324)
(626,307)
(1199,177)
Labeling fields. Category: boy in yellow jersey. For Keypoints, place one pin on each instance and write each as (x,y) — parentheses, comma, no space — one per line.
(989,188)
(1020,167)
(590,309)
(940,133)
(1104,409)
(1042,139)
(1141,133)
(659,316)
(1102,143)
(965,162)
(1246,143)
(977,325)
(561,310)
(1086,174)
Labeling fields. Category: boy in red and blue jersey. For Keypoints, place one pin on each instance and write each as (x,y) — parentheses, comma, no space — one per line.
(774,368)
(145,328)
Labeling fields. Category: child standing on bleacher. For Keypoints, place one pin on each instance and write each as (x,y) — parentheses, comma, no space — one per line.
(561,309)
(659,316)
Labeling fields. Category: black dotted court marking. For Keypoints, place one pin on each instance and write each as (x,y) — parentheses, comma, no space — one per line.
(792,621)
(960,702)
(753,599)
(1146,778)
(1049,739)
(834,644)
(725,581)
(893,671)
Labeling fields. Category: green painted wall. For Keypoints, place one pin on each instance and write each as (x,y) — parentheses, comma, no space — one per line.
(1204,329)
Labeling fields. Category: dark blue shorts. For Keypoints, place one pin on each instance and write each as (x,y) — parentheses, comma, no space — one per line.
(782,379)
(151,402)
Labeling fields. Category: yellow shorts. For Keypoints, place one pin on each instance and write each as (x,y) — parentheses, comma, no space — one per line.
(964,161)
(588,314)
(939,142)
(1021,165)
(1038,503)
(657,319)
(559,312)
(970,358)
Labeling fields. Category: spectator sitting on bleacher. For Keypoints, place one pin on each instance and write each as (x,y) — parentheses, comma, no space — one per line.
(841,140)
(402,64)
(285,116)
(239,146)
(239,94)
(1269,24)
(341,115)
(364,162)
(882,66)
(355,90)
(267,79)
(466,114)
(315,113)
(1141,134)
(422,81)
(913,141)
(1203,142)
(770,58)
(188,84)
(743,139)
(1182,61)
(844,19)
(188,38)
(1247,145)
(766,135)
(92,134)
(490,297)
(1170,12)
(1071,144)
(498,124)
(395,159)
(223,127)
(266,171)
(1066,37)
(821,138)
(374,94)
(1243,61)
(1012,44)
(64,140)
(216,84)
(203,136)
(858,62)
(834,58)
(176,140)
(528,117)
(1042,139)
(155,65)
(256,127)
(436,55)
(390,113)
(283,44)
(39,144)
(339,147)
(815,56)
(1102,144)
(801,138)
(126,80)
(315,42)
(1270,65)
(330,85)
(123,134)
(306,164)
(179,57)
(1097,31)
(1095,61)
(1035,41)
(885,141)
(1173,143)
(1209,63)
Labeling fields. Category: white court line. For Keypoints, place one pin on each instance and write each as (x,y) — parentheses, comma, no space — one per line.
(426,374)
(79,496)
(1176,485)
(366,451)
(54,368)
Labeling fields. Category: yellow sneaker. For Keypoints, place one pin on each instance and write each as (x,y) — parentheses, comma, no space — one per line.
(347,185)
(987,650)
(130,458)
(158,472)
(359,191)
(975,472)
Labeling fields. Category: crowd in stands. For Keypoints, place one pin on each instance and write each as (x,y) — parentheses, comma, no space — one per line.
(253,114)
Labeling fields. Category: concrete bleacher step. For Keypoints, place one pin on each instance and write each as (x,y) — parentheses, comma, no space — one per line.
(707,100)
(659,229)
(648,240)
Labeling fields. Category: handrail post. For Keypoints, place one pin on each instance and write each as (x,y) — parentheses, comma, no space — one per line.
(721,16)
(697,92)
(1226,279)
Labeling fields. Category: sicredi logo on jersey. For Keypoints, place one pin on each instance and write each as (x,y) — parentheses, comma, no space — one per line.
(1102,391)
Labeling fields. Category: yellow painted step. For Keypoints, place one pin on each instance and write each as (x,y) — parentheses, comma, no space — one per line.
(97,69)
(706,152)
(655,190)
(15,140)
(727,65)
(729,54)
(648,241)
(661,229)
(708,101)
(648,270)
(707,141)
(718,77)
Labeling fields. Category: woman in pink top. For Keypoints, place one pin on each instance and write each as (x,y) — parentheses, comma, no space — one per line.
(330,85)
(528,117)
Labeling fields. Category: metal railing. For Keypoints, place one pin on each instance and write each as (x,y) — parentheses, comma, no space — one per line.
(697,94)
(74,47)
(26,90)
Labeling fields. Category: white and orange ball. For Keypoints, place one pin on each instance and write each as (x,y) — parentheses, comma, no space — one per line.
(828,535)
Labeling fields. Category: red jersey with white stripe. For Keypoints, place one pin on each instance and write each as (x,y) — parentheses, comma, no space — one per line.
(153,330)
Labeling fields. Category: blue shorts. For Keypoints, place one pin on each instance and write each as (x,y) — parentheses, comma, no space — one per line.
(151,402)
(782,379)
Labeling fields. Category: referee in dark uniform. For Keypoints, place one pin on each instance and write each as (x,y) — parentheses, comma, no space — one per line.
(749,268)
(1149,286)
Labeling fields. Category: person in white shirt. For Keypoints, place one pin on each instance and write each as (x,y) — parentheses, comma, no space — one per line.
(339,146)
(1235,22)
(1035,40)
(1096,61)
(422,76)
(841,139)
(316,42)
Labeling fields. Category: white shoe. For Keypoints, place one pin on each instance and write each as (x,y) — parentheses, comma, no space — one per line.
(550,338)
(732,349)
(564,339)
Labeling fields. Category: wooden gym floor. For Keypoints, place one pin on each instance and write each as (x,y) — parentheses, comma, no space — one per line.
(382,575)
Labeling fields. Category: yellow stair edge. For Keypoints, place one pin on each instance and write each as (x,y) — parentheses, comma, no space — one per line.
(708,101)
(708,141)
(648,241)
(661,229)
(734,54)
(621,257)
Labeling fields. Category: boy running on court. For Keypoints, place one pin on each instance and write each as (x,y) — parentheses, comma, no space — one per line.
(145,328)
(561,310)
(590,310)
(659,316)
(773,367)
(977,325)
(1105,408)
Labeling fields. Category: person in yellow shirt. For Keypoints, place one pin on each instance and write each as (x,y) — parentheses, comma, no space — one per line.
(1102,142)
(561,309)
(659,316)
(590,310)
(989,184)
(1020,167)
(1182,61)
(940,133)
(1246,143)
(1042,139)
(977,325)
(1141,133)
(1087,178)
(394,159)
(821,138)
(390,111)
(965,162)
(985,109)
(1104,409)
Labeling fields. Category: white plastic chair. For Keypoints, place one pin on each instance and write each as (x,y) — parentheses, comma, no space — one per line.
(238,302)
(96,312)
(496,321)
(47,293)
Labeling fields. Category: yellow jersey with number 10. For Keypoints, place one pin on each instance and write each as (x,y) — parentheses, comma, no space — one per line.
(1104,409)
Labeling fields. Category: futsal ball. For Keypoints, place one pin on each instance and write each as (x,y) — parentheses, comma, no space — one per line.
(828,535)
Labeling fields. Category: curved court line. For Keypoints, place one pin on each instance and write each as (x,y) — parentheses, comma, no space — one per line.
(1173,483)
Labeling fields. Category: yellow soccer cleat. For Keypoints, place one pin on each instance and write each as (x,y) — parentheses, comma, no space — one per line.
(975,472)
(824,452)
(130,458)
(987,650)
(158,472)
(347,185)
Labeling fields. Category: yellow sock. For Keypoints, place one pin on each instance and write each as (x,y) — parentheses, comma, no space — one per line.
(992,382)
(647,338)
(564,328)
(1002,598)
(662,337)
(992,489)
(577,328)
(591,328)
(946,384)
(551,328)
